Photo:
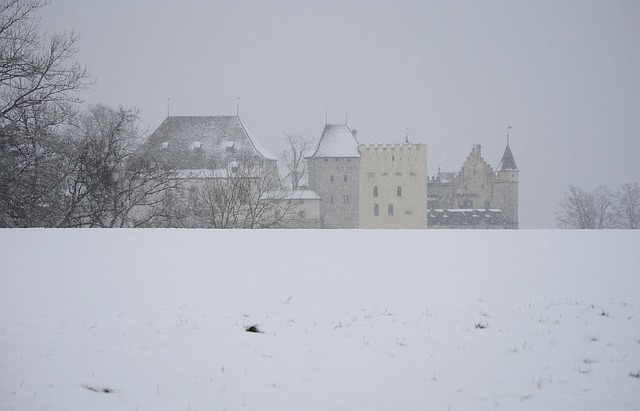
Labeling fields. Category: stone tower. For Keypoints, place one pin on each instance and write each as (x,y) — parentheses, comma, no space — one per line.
(334,176)
(393,185)
(505,188)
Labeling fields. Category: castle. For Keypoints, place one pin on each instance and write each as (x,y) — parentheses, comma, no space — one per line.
(386,186)
(351,185)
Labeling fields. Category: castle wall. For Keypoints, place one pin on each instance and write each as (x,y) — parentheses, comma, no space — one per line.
(393,186)
(336,180)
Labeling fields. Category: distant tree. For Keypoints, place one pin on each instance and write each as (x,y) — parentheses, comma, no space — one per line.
(293,158)
(108,184)
(240,195)
(627,206)
(38,81)
(586,210)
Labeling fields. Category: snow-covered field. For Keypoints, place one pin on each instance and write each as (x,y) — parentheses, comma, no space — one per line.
(350,320)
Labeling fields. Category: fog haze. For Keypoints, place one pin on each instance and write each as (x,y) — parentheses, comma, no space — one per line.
(565,75)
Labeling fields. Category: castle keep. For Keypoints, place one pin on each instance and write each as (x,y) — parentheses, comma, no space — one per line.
(393,185)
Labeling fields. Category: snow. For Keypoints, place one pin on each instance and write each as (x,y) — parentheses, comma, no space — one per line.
(361,319)
(337,141)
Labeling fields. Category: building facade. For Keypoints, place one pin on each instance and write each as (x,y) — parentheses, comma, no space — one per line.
(368,186)
(393,185)
(475,187)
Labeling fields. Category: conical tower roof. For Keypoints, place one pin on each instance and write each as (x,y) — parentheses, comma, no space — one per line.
(507,162)
(337,140)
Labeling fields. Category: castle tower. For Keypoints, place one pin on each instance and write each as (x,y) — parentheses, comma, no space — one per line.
(393,185)
(505,187)
(334,176)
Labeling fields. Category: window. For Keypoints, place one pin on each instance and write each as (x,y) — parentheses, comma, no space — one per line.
(345,199)
(375,191)
(164,145)
(345,178)
(331,179)
(376,210)
(390,209)
(399,191)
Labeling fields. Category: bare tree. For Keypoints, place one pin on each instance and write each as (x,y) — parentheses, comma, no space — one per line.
(627,206)
(585,210)
(109,185)
(243,194)
(38,81)
(293,158)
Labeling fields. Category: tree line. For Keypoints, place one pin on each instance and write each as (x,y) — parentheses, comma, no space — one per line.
(600,208)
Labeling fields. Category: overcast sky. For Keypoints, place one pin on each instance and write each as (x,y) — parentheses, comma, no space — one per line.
(564,74)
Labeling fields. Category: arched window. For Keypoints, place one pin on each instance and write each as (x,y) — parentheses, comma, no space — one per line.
(331,179)
(376,210)
(390,209)
(399,191)
(375,191)
(345,178)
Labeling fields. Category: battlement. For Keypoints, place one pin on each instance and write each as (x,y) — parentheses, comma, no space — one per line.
(391,147)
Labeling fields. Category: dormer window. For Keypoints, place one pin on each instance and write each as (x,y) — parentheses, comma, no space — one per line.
(228,146)
(164,145)
(196,145)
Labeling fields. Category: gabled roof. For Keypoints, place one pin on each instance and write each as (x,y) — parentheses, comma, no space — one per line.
(193,142)
(337,141)
(507,162)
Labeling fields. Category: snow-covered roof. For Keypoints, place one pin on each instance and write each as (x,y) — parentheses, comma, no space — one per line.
(174,140)
(337,140)
(291,195)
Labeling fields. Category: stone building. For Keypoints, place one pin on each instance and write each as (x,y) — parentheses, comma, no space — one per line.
(476,196)
(393,185)
(216,157)
(334,173)
(368,186)
(207,143)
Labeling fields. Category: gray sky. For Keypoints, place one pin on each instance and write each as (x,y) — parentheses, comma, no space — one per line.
(564,74)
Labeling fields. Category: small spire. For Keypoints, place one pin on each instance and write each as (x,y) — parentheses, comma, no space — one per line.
(508,128)
(406,136)
(346,119)
(168,104)
(326,119)
(238,107)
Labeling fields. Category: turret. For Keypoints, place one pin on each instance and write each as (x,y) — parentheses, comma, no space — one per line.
(506,187)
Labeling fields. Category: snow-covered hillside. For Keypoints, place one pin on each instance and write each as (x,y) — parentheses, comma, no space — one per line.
(350,320)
